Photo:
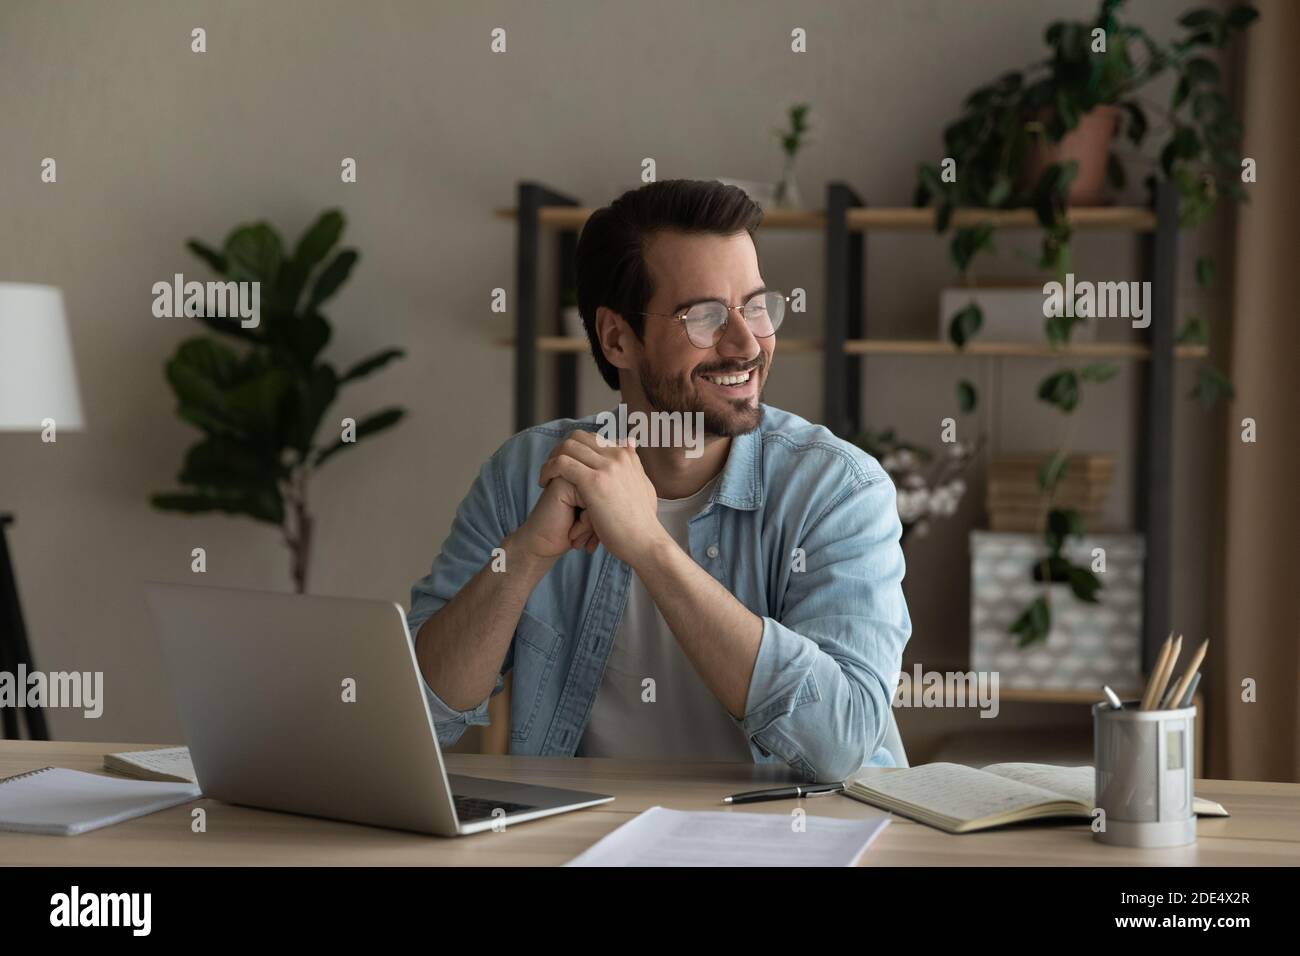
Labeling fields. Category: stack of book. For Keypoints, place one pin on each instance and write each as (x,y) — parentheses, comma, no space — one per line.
(1015,501)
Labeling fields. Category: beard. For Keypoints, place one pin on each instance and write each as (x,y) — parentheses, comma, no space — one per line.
(667,393)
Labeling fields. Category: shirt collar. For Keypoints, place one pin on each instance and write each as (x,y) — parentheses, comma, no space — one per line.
(741,486)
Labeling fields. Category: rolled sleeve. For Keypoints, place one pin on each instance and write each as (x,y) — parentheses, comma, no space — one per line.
(822,685)
(478,528)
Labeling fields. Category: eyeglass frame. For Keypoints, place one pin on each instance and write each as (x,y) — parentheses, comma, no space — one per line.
(722,329)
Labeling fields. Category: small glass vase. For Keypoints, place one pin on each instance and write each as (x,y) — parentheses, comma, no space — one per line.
(787,190)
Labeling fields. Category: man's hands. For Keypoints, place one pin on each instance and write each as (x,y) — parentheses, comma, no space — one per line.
(551,529)
(595,495)
(619,501)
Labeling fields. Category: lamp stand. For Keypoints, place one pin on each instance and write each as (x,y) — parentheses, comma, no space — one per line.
(13,646)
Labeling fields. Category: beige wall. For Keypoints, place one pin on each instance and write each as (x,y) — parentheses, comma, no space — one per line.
(156,144)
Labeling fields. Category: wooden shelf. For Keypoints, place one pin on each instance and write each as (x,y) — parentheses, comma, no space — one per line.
(1120,218)
(1117,350)
(1123,218)
(922,347)
(573,217)
(563,343)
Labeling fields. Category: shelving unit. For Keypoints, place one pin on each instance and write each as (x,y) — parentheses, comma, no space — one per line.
(845,223)
(921,347)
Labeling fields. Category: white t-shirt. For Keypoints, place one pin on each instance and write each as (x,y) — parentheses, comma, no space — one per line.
(684,721)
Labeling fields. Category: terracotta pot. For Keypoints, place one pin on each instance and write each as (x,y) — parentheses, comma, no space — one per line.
(1088,144)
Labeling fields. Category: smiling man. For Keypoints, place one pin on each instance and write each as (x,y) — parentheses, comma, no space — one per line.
(744,603)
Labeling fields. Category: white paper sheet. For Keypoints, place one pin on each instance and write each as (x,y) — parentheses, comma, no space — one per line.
(60,801)
(660,837)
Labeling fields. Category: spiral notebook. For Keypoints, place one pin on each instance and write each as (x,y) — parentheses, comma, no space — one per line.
(67,802)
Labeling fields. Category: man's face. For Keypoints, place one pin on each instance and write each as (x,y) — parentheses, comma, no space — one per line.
(676,375)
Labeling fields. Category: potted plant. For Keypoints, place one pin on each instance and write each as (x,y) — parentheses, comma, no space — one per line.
(1011,147)
(1037,138)
(260,401)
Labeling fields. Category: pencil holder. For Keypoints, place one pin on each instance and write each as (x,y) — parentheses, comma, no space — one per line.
(1144,783)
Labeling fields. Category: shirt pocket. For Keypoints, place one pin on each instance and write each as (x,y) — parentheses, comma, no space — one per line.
(537,645)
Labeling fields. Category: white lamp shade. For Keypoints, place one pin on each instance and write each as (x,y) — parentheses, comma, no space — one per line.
(38,379)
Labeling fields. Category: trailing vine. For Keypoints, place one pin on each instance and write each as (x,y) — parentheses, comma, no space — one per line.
(988,151)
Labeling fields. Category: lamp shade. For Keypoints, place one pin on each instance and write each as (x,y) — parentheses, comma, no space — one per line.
(38,379)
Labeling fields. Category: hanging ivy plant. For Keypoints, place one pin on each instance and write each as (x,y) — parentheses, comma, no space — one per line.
(988,152)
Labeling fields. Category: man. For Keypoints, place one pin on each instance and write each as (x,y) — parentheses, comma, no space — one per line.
(742,601)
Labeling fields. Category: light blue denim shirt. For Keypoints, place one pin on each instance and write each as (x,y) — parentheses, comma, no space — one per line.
(802,529)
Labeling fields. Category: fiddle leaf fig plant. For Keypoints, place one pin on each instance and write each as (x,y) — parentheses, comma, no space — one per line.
(259,394)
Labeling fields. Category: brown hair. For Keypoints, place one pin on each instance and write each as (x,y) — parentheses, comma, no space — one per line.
(610,260)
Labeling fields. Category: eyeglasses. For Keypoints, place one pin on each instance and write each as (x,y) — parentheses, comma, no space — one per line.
(706,321)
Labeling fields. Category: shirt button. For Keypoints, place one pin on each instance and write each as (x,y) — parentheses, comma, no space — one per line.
(712,551)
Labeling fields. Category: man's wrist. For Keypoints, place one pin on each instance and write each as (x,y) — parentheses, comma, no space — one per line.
(658,553)
(519,558)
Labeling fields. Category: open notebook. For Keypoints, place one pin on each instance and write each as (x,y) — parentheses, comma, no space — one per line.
(960,799)
(67,802)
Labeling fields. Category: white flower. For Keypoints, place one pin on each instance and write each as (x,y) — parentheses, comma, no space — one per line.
(921,498)
(911,505)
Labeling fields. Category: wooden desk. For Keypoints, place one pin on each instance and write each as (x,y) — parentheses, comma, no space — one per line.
(1264,828)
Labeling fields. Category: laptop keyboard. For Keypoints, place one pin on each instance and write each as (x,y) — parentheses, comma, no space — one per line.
(469,809)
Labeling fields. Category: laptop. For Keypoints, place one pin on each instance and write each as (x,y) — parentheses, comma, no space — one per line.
(315,705)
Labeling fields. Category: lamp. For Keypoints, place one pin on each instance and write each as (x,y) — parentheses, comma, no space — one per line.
(38,384)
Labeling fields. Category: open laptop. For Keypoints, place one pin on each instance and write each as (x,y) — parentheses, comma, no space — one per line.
(316,705)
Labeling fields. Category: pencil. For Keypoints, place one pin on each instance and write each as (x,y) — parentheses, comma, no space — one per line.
(1193,666)
(1168,672)
(1155,673)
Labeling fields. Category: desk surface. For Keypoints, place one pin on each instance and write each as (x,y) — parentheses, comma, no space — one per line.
(1264,828)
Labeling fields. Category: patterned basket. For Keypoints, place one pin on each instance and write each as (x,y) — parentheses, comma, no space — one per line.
(1089,644)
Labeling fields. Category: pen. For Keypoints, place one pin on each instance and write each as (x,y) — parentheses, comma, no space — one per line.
(784,793)
(1191,690)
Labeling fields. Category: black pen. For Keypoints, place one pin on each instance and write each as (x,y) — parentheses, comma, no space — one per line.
(784,793)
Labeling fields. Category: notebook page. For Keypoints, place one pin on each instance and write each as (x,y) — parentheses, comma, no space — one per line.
(1073,783)
(660,837)
(953,790)
(56,800)
(1077,783)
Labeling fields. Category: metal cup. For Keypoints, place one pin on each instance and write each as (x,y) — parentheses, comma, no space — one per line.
(1144,783)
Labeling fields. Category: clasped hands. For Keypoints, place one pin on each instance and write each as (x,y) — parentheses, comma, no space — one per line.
(617,501)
